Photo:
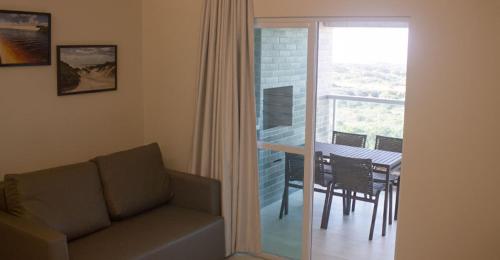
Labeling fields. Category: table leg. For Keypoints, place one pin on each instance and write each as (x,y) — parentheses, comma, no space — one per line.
(397,200)
(390,204)
(386,198)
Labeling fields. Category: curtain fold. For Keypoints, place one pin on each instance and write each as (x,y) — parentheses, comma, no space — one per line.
(224,142)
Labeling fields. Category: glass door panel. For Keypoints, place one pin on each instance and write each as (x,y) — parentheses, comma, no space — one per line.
(281,84)
(361,88)
(282,91)
(282,202)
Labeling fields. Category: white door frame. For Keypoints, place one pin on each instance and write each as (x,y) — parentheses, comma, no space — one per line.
(308,150)
(312,23)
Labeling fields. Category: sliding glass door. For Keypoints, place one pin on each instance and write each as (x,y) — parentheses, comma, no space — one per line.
(313,77)
(284,60)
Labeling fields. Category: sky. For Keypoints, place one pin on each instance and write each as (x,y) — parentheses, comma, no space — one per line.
(370,45)
(81,57)
(24,19)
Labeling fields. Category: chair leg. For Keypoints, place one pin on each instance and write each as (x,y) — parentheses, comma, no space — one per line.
(390,204)
(347,209)
(374,216)
(287,188)
(325,207)
(344,201)
(328,210)
(283,202)
(398,186)
(384,219)
(354,201)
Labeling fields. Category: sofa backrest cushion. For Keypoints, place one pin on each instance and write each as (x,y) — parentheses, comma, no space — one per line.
(68,199)
(3,204)
(134,181)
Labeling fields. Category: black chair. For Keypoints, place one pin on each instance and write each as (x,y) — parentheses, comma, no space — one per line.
(348,139)
(355,176)
(324,177)
(294,177)
(391,144)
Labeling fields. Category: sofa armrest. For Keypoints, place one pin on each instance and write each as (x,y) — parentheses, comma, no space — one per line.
(196,192)
(21,239)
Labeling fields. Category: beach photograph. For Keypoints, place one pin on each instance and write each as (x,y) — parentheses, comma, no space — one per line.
(24,38)
(86,69)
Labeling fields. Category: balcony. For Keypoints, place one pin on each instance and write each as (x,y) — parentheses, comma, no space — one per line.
(354,114)
(361,115)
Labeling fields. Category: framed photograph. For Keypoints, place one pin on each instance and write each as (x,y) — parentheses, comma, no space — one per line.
(24,38)
(86,69)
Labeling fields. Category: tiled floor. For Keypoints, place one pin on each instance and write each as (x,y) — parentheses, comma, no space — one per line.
(345,238)
(243,257)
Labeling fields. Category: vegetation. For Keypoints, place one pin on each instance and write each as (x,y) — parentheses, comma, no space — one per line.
(384,81)
(108,67)
(70,78)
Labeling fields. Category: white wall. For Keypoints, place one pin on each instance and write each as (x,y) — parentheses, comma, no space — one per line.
(449,203)
(38,129)
(171,31)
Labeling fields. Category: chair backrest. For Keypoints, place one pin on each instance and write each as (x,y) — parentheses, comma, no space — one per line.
(319,169)
(349,139)
(352,173)
(390,144)
(294,167)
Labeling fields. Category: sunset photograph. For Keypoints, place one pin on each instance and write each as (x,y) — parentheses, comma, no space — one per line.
(24,38)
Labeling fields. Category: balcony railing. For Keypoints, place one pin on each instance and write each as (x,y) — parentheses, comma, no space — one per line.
(365,115)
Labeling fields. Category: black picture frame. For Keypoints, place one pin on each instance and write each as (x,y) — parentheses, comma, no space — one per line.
(12,21)
(67,76)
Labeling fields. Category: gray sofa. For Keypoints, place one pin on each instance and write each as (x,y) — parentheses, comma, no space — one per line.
(120,206)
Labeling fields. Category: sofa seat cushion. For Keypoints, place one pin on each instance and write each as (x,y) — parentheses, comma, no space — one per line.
(167,232)
(134,180)
(68,199)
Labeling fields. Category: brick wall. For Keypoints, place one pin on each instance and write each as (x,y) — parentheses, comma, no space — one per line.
(281,60)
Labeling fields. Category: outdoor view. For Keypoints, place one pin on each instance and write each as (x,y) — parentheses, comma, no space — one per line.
(361,81)
(369,63)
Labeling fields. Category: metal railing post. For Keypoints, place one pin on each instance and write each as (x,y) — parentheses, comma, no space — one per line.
(334,106)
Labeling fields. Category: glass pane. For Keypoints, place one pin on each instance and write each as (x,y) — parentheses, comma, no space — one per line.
(364,62)
(281,236)
(361,62)
(280,84)
(369,118)
(361,90)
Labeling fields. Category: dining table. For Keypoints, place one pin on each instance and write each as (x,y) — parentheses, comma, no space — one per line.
(383,162)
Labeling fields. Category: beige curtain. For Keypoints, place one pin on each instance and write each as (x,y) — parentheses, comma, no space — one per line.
(225,136)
